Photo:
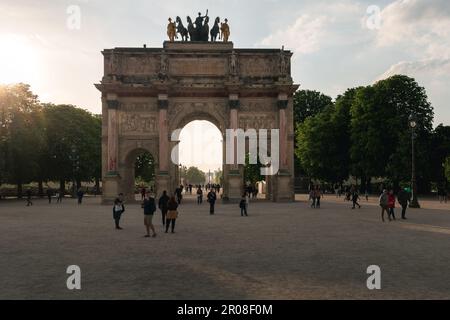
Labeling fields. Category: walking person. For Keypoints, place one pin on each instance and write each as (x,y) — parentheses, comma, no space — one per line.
(243,206)
(163,206)
(49,195)
(149,207)
(318,195)
(118,210)
(355,198)
(143,193)
(384,201)
(80,195)
(403,199)
(391,205)
(179,194)
(312,197)
(199,195)
(60,196)
(29,194)
(212,197)
(172,214)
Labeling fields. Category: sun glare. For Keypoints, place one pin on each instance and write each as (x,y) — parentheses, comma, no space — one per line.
(17,59)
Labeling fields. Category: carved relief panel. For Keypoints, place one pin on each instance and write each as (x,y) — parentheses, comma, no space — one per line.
(258,66)
(257,122)
(134,123)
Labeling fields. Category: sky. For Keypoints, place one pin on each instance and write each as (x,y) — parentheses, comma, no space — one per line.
(55,45)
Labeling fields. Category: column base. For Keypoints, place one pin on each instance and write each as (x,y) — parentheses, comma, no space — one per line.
(283,188)
(163,184)
(110,188)
(235,187)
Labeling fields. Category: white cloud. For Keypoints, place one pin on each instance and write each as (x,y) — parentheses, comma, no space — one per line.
(420,25)
(304,36)
(319,28)
(422,30)
(429,67)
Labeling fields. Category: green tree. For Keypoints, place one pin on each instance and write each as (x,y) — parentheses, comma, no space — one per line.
(21,135)
(252,172)
(439,152)
(323,141)
(145,167)
(380,133)
(308,103)
(194,175)
(67,128)
(447,168)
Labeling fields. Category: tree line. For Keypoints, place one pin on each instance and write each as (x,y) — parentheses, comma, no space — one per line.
(365,133)
(46,142)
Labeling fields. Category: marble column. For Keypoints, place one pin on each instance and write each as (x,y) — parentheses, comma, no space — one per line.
(111,178)
(234,174)
(283,183)
(282,106)
(113,137)
(163,177)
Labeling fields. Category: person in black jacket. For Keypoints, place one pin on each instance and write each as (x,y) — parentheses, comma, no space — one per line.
(403,198)
(212,197)
(149,207)
(162,205)
(118,210)
(243,206)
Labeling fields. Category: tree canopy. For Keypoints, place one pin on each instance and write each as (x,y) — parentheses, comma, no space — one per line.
(366,133)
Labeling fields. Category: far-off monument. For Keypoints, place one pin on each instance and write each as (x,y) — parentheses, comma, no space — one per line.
(148,93)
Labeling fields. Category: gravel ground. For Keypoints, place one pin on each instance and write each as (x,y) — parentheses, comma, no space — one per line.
(281,251)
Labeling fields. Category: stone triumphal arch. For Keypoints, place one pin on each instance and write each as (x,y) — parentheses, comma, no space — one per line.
(147,93)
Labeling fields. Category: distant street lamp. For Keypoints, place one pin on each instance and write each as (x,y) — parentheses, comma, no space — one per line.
(414,201)
(75,158)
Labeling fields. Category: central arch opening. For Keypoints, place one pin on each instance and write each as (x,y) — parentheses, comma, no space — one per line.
(201,157)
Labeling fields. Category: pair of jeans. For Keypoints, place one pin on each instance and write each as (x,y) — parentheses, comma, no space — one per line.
(164,214)
(117,216)
(168,222)
(244,212)
(392,213)
(404,207)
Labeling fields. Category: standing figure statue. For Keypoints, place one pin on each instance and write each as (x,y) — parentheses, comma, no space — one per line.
(225,30)
(182,30)
(199,22)
(215,31)
(171,30)
(284,63)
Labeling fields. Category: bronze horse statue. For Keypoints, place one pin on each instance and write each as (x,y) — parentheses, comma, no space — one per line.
(191,30)
(215,31)
(182,30)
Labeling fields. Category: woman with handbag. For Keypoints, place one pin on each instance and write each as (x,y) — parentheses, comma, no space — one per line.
(172,214)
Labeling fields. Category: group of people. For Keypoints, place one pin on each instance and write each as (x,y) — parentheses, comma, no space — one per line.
(167,205)
(387,202)
(443,194)
(315,194)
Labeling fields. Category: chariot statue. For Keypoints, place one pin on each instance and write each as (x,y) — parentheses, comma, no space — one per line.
(199,29)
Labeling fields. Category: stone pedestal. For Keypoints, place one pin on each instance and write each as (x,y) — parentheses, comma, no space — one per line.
(283,187)
(110,188)
(163,184)
(235,186)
